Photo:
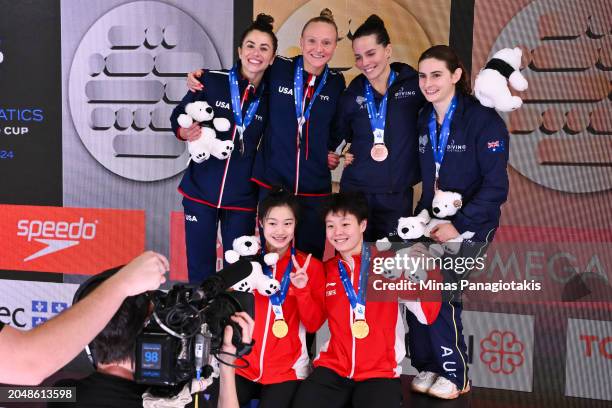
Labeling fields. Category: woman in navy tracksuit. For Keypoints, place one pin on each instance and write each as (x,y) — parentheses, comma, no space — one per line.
(384,168)
(300,162)
(474,142)
(220,190)
(303,86)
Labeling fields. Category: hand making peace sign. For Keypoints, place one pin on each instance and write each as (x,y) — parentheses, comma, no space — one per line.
(299,278)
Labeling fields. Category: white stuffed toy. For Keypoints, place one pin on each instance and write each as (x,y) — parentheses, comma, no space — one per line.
(247,247)
(446,204)
(491,85)
(408,228)
(207,144)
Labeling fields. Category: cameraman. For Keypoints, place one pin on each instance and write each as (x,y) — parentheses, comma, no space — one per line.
(25,355)
(112,353)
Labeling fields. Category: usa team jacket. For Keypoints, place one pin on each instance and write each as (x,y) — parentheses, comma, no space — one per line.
(275,360)
(475,165)
(224,183)
(400,170)
(279,161)
(377,355)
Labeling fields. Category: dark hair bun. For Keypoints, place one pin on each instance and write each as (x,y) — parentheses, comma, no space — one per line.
(264,21)
(327,13)
(374,21)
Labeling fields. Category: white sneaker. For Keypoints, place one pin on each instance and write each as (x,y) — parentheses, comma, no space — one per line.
(445,389)
(423,381)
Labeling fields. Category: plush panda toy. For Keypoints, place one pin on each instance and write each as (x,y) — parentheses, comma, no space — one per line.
(207,144)
(491,84)
(247,247)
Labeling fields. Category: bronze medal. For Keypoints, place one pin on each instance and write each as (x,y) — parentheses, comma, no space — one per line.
(379,152)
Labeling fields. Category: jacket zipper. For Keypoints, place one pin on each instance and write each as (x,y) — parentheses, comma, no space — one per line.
(227,163)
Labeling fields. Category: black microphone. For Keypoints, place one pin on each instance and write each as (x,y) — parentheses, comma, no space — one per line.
(223,280)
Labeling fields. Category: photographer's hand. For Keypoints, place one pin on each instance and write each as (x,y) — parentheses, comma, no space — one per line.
(299,278)
(228,398)
(143,273)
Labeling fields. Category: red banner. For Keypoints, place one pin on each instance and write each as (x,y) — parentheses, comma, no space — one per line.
(81,241)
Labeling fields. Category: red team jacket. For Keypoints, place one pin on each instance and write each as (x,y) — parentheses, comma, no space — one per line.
(275,360)
(377,355)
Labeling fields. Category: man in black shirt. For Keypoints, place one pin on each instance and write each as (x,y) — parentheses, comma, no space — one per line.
(112,354)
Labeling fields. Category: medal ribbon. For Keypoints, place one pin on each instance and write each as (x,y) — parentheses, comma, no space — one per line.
(241,124)
(377,117)
(438,149)
(302,114)
(357,300)
(278,298)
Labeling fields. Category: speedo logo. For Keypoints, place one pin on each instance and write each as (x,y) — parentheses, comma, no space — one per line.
(57,235)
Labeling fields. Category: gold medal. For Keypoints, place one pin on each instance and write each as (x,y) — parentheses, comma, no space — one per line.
(360,329)
(379,152)
(280,328)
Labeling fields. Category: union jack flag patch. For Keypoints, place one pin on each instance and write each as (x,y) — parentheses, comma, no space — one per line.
(496,146)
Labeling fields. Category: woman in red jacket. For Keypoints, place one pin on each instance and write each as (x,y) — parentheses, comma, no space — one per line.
(360,364)
(279,359)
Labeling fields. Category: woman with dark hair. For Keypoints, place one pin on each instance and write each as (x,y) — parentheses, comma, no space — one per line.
(279,359)
(295,150)
(220,191)
(360,365)
(475,166)
(377,115)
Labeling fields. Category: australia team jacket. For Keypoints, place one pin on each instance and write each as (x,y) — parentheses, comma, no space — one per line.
(475,165)
(300,166)
(224,183)
(400,170)
(377,355)
(275,360)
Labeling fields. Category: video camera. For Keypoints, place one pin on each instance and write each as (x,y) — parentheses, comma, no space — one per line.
(187,325)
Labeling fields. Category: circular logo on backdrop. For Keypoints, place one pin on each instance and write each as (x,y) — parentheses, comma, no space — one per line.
(561,135)
(127,75)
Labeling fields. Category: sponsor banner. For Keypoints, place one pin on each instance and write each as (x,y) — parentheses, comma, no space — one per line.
(82,241)
(25,305)
(499,350)
(588,362)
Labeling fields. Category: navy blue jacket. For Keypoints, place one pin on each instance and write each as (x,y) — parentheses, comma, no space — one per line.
(277,159)
(210,182)
(475,165)
(400,170)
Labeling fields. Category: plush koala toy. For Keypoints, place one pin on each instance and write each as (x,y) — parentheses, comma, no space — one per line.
(247,247)
(491,85)
(207,144)
(446,204)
